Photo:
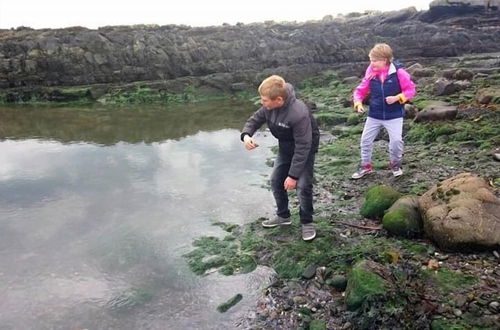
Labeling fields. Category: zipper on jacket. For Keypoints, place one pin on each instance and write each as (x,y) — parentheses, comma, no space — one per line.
(383,99)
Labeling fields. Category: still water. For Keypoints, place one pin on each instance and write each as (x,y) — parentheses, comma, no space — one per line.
(98,205)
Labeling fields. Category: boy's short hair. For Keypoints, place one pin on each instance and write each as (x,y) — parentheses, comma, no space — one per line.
(381,52)
(273,87)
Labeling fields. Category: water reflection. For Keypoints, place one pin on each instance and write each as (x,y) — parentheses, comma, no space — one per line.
(105,125)
(92,234)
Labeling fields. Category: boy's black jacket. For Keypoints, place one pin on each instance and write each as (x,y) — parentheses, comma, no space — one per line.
(293,125)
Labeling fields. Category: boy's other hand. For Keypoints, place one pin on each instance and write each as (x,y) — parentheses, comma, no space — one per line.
(290,183)
(250,142)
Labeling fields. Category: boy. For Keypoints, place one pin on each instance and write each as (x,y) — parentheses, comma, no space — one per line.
(291,122)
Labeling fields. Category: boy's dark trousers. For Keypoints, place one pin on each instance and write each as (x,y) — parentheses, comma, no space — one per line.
(304,185)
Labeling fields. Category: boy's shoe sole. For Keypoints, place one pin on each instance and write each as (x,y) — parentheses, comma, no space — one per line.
(308,232)
(276,222)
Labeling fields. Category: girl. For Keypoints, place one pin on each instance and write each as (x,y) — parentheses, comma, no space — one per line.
(390,86)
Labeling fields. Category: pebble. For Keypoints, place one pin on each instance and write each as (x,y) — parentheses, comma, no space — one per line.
(299,300)
(494,306)
(496,157)
(346,326)
(496,254)
(457,312)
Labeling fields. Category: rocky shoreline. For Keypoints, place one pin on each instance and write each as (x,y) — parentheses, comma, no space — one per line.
(452,51)
(431,287)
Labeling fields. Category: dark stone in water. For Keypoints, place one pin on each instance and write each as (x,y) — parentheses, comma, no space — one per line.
(224,307)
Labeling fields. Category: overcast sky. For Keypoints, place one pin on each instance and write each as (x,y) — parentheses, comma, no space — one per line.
(95,13)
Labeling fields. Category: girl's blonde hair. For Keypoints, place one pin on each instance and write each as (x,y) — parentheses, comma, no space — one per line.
(381,52)
(273,87)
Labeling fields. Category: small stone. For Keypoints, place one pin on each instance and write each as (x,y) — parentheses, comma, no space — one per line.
(346,326)
(433,264)
(309,272)
(339,282)
(442,257)
(460,300)
(299,300)
(496,254)
(496,157)
(494,307)
(457,312)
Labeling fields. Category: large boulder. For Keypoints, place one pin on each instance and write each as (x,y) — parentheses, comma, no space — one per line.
(461,212)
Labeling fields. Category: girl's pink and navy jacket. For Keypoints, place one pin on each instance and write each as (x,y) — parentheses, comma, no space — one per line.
(391,81)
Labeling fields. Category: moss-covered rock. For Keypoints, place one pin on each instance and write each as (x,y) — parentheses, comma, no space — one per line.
(364,282)
(403,217)
(222,308)
(353,119)
(330,119)
(377,200)
(488,95)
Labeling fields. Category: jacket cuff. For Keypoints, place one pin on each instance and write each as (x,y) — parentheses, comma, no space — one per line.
(402,98)
(357,104)
(293,177)
(242,136)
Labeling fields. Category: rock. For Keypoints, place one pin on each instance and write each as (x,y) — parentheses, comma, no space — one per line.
(494,307)
(496,157)
(377,200)
(222,308)
(461,212)
(458,74)
(411,111)
(339,282)
(124,54)
(488,95)
(403,217)
(351,80)
(366,279)
(309,272)
(435,112)
(443,86)
(347,326)
(299,300)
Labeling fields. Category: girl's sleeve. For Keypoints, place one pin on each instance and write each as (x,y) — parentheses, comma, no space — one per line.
(363,88)
(408,90)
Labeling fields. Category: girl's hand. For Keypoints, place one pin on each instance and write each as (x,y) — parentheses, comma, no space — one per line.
(391,99)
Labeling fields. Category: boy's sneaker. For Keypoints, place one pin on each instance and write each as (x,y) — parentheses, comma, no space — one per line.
(308,231)
(276,221)
(362,171)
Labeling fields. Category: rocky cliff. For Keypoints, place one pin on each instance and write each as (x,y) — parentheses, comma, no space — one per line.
(232,58)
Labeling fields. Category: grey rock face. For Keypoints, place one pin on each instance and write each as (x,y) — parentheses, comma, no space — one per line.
(121,54)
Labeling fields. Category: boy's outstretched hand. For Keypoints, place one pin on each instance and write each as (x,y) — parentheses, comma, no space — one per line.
(250,142)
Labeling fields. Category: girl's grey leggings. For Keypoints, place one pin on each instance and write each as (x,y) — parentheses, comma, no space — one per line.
(395,129)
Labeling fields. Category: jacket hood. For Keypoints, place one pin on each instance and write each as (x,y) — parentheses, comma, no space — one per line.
(290,95)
